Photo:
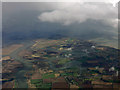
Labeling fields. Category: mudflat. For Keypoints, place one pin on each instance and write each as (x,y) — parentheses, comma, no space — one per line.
(10,49)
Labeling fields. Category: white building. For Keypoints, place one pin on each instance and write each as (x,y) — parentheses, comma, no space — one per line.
(92,47)
(112,69)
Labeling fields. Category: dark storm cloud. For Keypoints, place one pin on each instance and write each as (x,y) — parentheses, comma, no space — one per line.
(37,20)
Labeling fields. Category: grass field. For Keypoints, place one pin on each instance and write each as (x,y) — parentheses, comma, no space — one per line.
(106,42)
(48,75)
(36,81)
(63,61)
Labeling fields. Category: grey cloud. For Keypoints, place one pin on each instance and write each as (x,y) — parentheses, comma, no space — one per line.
(94,20)
(68,13)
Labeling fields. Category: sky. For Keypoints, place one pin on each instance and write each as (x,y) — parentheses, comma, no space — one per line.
(68,13)
(43,19)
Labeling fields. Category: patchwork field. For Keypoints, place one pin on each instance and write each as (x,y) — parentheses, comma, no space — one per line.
(61,63)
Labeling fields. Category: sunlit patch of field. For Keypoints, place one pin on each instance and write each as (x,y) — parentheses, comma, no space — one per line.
(24,52)
(8,50)
(42,43)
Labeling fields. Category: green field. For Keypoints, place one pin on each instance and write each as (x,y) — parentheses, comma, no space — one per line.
(48,75)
